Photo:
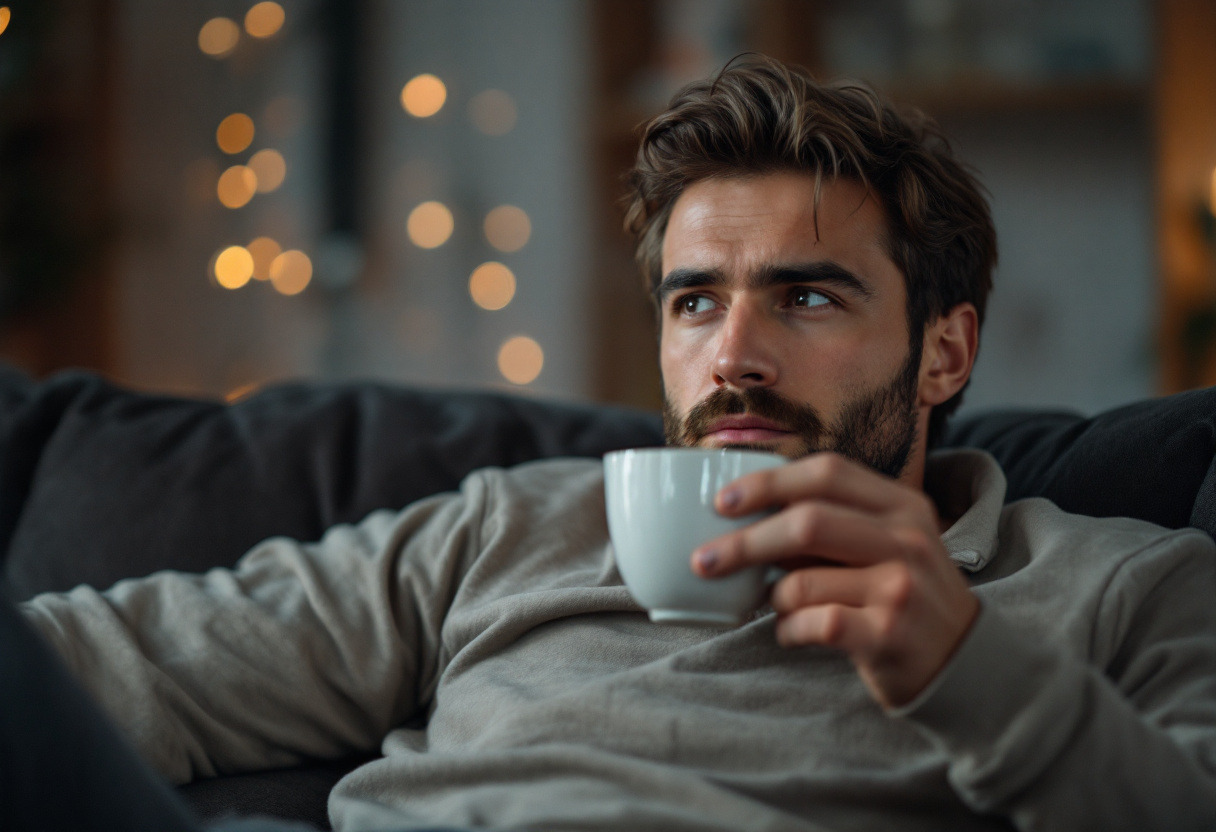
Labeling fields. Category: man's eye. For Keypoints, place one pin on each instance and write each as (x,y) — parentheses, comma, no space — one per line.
(809,298)
(695,304)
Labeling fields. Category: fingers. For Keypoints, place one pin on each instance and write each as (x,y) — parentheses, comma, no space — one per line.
(805,530)
(810,531)
(856,610)
(851,629)
(890,585)
(898,636)
(822,476)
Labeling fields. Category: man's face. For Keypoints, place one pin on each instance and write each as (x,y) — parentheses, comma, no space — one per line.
(784,326)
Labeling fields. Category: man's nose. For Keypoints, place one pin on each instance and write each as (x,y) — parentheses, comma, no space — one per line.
(744,356)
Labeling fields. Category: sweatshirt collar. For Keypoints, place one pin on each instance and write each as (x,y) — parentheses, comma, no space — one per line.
(970,486)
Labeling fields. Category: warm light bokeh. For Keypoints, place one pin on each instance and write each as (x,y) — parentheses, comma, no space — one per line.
(263,250)
(270,168)
(492,285)
(493,112)
(235,133)
(218,37)
(520,360)
(291,272)
(430,225)
(237,186)
(423,96)
(264,19)
(233,267)
(5,16)
(508,228)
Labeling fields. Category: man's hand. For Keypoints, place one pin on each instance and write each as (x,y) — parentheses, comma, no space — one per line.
(868,571)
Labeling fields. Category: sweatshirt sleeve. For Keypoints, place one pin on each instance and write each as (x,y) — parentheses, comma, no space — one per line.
(300,651)
(1048,739)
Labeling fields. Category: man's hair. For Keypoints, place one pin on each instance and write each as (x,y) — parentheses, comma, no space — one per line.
(760,116)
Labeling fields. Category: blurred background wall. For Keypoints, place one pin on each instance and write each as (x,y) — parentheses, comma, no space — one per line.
(209,197)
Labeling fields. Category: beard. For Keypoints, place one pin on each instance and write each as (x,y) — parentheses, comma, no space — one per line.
(876,427)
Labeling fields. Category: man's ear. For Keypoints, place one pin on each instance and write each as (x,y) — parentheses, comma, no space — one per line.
(949,354)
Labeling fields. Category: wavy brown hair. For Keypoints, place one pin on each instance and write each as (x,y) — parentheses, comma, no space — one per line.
(761,116)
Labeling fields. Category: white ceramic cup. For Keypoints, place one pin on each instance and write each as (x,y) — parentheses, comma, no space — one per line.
(660,505)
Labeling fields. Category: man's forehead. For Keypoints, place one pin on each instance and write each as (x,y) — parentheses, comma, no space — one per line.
(787,212)
(785,193)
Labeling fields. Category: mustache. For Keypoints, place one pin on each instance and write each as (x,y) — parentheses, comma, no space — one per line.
(756,401)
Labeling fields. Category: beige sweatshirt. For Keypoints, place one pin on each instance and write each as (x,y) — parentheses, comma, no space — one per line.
(1083,698)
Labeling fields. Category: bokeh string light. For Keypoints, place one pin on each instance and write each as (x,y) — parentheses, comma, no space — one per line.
(492,286)
(264,259)
(508,228)
(430,225)
(233,267)
(520,360)
(235,133)
(5,16)
(237,186)
(424,95)
(219,37)
(270,168)
(291,272)
(264,20)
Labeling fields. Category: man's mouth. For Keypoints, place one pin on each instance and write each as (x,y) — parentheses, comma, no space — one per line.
(733,430)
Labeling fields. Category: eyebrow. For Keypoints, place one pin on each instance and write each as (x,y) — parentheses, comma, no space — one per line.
(824,271)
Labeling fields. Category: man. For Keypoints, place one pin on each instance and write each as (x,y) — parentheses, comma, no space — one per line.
(931,660)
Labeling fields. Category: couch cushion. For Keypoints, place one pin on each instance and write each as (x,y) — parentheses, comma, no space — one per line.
(99,483)
(1154,459)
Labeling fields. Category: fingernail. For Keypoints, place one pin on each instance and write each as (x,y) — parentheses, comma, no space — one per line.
(730,498)
(707,561)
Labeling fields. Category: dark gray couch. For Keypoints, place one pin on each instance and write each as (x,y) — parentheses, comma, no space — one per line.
(99,483)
